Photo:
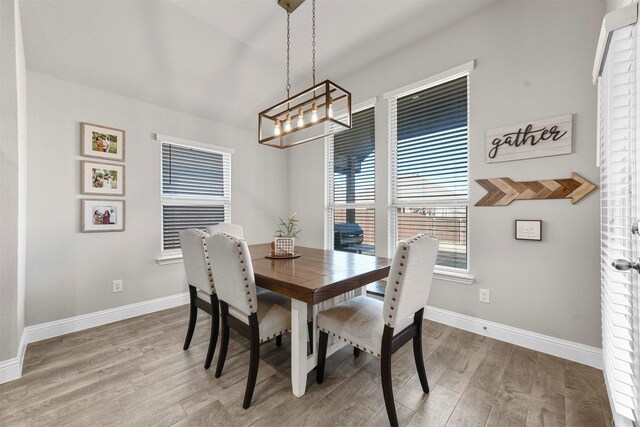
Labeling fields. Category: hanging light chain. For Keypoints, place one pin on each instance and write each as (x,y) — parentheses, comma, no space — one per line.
(313,41)
(288,51)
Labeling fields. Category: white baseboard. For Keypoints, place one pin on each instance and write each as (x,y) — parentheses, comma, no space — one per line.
(12,369)
(85,321)
(580,353)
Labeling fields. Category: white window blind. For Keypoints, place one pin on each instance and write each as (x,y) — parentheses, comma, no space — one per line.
(428,144)
(350,180)
(618,211)
(196,190)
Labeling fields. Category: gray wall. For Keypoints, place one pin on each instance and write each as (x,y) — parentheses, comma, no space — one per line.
(617,4)
(534,60)
(69,272)
(13,143)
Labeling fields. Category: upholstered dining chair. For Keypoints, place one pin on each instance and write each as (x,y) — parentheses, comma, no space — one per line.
(259,316)
(381,328)
(226,227)
(202,293)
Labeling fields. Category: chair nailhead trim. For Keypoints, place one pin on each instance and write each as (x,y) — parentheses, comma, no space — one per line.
(246,279)
(405,247)
(203,236)
(274,335)
(350,342)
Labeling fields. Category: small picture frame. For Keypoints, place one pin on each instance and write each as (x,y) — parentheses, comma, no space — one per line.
(529,229)
(99,215)
(102,142)
(102,178)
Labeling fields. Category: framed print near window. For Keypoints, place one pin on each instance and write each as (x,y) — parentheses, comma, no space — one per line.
(102,142)
(102,179)
(102,215)
(528,229)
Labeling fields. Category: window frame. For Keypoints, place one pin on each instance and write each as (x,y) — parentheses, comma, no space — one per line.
(329,200)
(441,272)
(169,256)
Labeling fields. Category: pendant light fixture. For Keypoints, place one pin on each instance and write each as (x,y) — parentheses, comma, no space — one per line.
(321,110)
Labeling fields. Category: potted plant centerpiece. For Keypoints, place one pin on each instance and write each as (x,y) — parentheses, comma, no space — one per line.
(284,241)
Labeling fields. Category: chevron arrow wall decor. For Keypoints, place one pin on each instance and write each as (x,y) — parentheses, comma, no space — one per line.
(503,191)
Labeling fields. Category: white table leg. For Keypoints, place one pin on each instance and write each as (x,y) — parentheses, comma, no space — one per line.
(298,347)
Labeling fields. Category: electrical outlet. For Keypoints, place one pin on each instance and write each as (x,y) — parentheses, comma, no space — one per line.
(117,285)
(485,296)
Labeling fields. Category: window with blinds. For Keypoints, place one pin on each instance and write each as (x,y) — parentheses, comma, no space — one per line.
(196,190)
(618,174)
(428,137)
(350,179)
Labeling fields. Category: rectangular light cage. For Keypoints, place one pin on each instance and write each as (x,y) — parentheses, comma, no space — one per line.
(302,117)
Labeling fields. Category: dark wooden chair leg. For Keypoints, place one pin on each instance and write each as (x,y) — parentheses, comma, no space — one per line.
(322,356)
(310,329)
(356,352)
(417,352)
(215,326)
(224,342)
(385,370)
(253,360)
(278,340)
(193,316)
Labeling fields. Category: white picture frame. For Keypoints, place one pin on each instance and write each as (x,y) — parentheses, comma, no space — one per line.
(96,211)
(528,229)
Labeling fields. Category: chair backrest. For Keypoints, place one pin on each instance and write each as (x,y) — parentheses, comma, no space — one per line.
(410,278)
(233,272)
(228,228)
(196,260)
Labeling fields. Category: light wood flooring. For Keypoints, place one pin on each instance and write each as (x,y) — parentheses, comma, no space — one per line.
(135,372)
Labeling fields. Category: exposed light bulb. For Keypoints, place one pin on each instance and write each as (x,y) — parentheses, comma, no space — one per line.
(287,123)
(314,112)
(330,107)
(300,118)
(276,130)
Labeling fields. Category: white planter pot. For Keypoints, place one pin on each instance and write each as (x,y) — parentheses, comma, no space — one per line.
(284,246)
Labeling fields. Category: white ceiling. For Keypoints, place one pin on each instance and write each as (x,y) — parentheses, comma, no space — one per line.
(223,59)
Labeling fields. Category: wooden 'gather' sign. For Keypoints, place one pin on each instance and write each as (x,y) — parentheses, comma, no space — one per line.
(541,138)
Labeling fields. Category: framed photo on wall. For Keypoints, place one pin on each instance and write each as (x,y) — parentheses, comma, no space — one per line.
(102,178)
(102,142)
(102,215)
(528,229)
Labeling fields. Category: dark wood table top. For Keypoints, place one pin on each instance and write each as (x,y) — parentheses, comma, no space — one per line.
(318,275)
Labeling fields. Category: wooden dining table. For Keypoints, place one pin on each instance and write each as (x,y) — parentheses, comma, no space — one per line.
(317,276)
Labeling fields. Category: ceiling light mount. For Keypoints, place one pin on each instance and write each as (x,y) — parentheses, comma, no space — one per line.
(321,110)
(290,5)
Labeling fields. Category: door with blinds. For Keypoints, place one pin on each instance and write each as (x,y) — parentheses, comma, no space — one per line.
(619,222)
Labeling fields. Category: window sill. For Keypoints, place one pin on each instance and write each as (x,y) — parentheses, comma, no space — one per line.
(169,259)
(449,276)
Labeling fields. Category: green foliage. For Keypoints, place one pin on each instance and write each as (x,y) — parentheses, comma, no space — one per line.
(113,141)
(288,228)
